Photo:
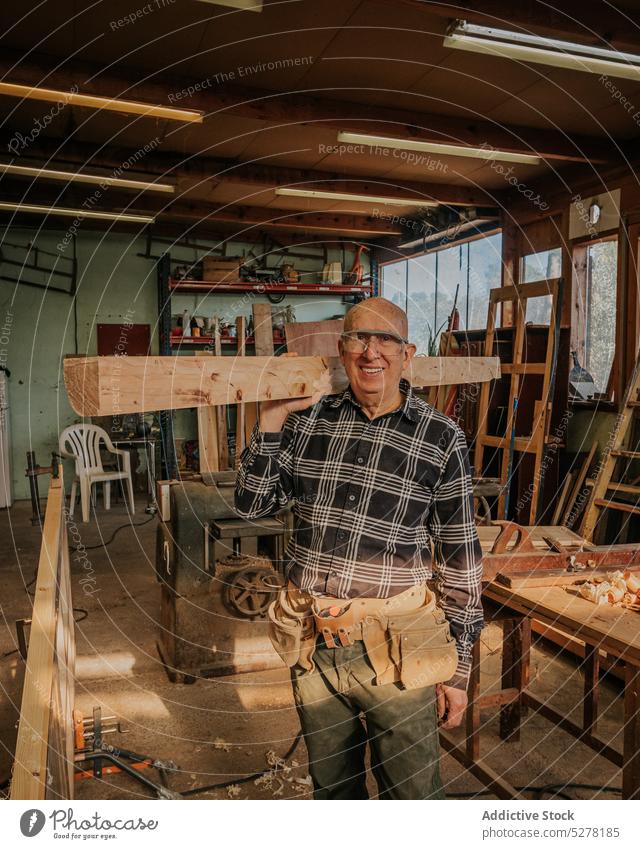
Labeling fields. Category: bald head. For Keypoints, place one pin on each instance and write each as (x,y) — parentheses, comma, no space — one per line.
(377,314)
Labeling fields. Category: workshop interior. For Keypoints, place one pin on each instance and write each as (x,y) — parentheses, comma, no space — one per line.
(189,190)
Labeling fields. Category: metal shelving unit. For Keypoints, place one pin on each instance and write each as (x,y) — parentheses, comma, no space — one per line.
(166,286)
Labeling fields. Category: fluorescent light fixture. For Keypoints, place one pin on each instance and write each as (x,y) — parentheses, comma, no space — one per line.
(313,193)
(111,104)
(76,213)
(487,152)
(76,177)
(461,228)
(541,50)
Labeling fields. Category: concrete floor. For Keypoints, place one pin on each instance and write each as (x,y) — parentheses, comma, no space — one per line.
(118,668)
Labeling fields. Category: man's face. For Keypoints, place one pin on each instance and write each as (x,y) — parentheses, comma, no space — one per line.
(375,376)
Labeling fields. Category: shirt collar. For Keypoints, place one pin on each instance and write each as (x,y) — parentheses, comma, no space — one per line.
(409,407)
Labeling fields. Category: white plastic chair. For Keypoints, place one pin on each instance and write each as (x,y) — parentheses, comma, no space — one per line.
(81,442)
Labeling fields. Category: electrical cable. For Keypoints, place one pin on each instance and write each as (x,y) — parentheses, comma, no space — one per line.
(100,545)
(113,535)
(196,790)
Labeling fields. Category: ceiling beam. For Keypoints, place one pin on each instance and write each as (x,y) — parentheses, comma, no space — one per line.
(294,109)
(252,217)
(194,169)
(601,24)
(243,218)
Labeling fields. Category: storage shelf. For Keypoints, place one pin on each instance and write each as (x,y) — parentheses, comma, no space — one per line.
(187,341)
(264,289)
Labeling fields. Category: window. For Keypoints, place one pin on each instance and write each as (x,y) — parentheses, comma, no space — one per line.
(421,302)
(545,265)
(600,318)
(425,286)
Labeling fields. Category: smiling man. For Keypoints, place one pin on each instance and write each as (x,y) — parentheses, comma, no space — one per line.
(381,495)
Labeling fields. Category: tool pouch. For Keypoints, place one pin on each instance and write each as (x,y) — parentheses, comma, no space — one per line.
(291,630)
(421,647)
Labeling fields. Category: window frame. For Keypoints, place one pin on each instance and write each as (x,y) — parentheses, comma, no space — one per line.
(609,400)
(439,248)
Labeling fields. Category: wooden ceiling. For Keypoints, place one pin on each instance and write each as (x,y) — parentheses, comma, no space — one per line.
(372,66)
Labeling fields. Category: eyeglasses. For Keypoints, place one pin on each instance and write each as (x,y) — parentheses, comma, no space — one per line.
(358,341)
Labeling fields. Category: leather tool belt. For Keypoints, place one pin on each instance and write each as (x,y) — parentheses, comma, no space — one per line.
(406,637)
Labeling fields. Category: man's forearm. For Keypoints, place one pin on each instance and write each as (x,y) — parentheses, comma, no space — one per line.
(259,485)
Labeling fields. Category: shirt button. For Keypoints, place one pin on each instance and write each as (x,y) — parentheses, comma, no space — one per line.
(352,498)
(341,535)
(359,459)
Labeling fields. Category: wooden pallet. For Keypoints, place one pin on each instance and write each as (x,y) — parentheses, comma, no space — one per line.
(605,487)
(536,441)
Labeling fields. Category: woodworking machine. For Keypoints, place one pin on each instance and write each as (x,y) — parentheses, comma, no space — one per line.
(218,574)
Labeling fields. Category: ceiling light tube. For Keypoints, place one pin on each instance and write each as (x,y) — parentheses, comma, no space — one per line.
(486,153)
(543,51)
(348,196)
(76,213)
(78,177)
(112,104)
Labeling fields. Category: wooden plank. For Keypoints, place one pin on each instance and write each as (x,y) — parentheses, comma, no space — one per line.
(591,689)
(562,721)
(479,768)
(314,338)
(614,630)
(617,505)
(516,651)
(521,291)
(554,577)
(631,734)
(208,436)
(575,492)
(29,779)
(612,556)
(221,414)
(472,717)
(521,444)
(597,500)
(616,486)
(262,336)
(262,330)
(522,368)
(99,386)
(241,441)
(555,520)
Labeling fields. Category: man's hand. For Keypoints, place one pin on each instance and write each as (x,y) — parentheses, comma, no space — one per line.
(273,414)
(451,703)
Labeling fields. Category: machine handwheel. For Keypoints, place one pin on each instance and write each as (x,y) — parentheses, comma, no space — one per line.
(250,591)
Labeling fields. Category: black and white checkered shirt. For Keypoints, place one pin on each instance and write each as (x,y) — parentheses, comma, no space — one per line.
(379,505)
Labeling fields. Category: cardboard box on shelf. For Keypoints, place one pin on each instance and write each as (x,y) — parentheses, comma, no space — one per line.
(221,269)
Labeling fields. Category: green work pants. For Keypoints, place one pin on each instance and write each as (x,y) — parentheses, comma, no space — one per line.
(340,708)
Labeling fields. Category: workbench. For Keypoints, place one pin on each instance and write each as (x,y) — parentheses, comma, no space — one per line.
(614,631)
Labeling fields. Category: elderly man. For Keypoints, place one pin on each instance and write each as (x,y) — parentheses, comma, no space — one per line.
(381,495)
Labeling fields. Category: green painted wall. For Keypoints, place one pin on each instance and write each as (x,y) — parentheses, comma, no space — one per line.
(113,282)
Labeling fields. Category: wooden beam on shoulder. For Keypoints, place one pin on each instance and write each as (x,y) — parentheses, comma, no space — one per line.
(100,386)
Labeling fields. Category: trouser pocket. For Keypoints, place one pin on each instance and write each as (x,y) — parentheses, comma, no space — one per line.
(422,648)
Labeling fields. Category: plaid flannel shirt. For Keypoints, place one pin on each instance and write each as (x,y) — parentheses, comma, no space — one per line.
(379,505)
